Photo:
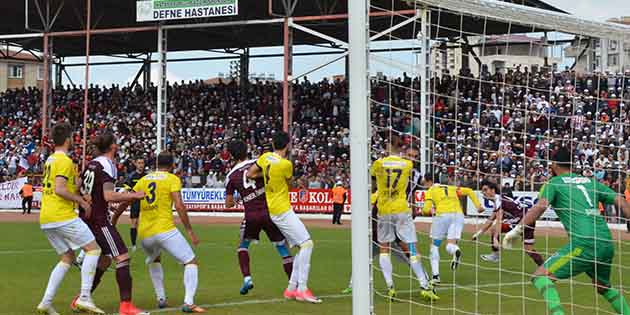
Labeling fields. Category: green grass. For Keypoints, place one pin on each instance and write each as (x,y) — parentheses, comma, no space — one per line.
(26,260)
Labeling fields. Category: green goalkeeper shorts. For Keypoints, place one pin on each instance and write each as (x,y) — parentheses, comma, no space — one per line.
(575,258)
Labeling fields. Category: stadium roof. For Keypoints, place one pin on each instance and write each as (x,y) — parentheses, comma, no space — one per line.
(122,13)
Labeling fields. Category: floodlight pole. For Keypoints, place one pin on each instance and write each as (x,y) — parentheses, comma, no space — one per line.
(45,92)
(288,72)
(162,88)
(86,92)
(424,37)
(358,25)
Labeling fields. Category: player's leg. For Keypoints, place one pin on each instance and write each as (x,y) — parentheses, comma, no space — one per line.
(243,258)
(297,235)
(152,250)
(439,230)
(280,243)
(24,202)
(601,280)
(400,251)
(88,273)
(134,214)
(454,234)
(406,231)
(29,205)
(58,273)
(529,240)
(564,264)
(117,249)
(178,247)
(495,242)
(386,232)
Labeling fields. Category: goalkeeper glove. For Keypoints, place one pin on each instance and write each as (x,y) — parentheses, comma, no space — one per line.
(511,236)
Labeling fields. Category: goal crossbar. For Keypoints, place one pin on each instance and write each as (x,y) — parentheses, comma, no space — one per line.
(543,19)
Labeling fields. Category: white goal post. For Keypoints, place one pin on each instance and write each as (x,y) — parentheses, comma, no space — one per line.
(362,73)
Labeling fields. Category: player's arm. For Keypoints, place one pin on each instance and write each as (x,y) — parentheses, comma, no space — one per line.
(485,227)
(428,202)
(118,210)
(473,198)
(622,204)
(183,216)
(498,222)
(609,196)
(255,171)
(229,195)
(111,195)
(62,191)
(545,197)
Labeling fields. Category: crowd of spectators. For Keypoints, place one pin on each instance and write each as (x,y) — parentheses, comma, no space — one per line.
(502,125)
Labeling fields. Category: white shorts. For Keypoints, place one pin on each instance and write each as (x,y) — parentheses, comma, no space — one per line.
(448,225)
(392,225)
(70,236)
(292,228)
(173,242)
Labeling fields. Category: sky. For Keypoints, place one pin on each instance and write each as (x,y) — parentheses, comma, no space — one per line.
(121,74)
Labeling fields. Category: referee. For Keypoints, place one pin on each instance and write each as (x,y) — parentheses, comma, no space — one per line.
(135,206)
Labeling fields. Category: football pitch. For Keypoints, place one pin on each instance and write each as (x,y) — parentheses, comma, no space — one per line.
(26,260)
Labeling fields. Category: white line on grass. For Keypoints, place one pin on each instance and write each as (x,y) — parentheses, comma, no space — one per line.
(331,296)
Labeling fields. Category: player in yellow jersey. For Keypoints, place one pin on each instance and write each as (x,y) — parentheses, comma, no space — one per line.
(157,230)
(448,221)
(391,175)
(62,226)
(277,173)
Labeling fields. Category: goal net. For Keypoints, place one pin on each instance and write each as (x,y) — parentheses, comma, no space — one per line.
(481,90)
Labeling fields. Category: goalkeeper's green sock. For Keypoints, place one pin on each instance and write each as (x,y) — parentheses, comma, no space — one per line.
(617,301)
(547,289)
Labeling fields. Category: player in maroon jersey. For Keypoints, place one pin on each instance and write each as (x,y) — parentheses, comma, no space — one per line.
(97,184)
(506,215)
(252,193)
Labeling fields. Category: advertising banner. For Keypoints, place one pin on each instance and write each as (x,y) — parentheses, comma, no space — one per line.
(163,10)
(10,194)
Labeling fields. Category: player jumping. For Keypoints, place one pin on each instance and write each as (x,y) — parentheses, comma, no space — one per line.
(157,231)
(252,193)
(506,215)
(63,228)
(395,219)
(591,250)
(97,184)
(448,221)
(277,172)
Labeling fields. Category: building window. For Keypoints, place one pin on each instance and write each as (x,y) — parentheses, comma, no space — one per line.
(613,45)
(40,72)
(612,60)
(16,71)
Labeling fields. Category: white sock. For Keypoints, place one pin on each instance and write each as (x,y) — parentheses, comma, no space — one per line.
(295,274)
(451,248)
(305,267)
(157,277)
(56,276)
(417,268)
(88,270)
(190,283)
(350,283)
(435,260)
(387,269)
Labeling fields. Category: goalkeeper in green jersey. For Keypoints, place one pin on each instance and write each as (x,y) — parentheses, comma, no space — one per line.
(590,249)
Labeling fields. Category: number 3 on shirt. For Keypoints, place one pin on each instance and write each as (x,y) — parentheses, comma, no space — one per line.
(150,198)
